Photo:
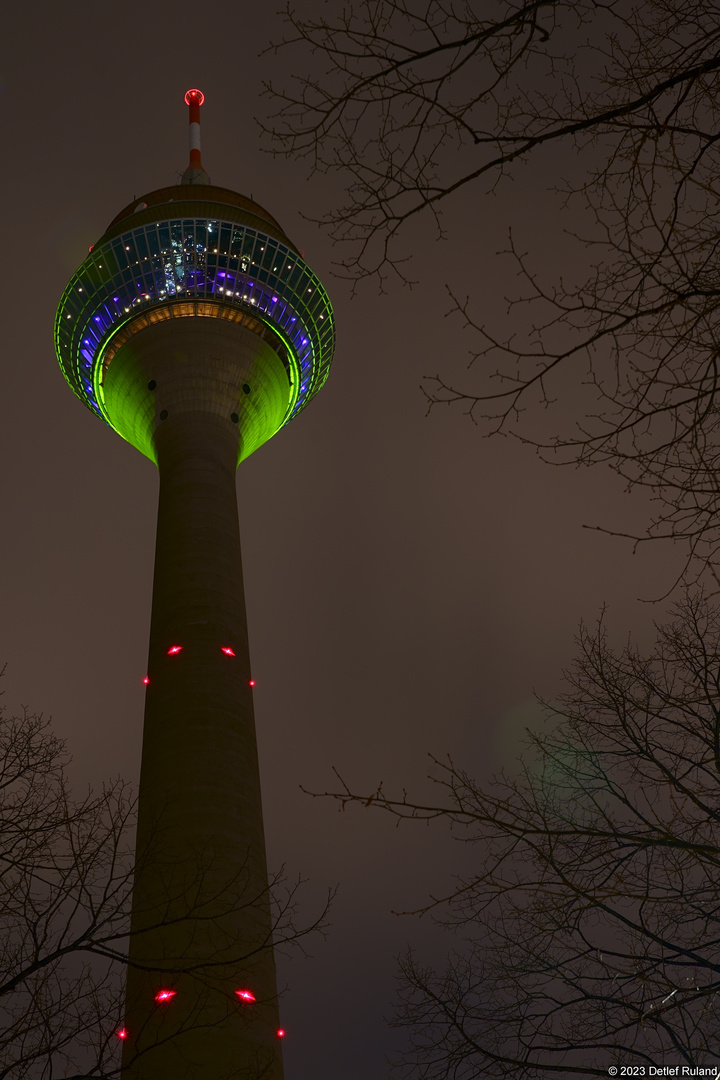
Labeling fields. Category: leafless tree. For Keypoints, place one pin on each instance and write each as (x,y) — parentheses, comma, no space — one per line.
(66,871)
(416,102)
(65,884)
(587,931)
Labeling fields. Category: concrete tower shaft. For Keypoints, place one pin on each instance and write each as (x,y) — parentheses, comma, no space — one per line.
(201,916)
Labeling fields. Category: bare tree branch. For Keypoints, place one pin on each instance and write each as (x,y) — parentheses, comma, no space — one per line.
(588,927)
(419,102)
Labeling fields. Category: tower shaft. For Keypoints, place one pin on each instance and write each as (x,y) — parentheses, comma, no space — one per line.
(201,921)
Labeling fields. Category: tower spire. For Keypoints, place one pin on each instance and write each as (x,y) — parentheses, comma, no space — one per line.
(195,174)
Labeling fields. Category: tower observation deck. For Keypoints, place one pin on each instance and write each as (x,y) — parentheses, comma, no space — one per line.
(196,330)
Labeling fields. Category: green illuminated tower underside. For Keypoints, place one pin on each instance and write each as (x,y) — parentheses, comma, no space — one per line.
(202,360)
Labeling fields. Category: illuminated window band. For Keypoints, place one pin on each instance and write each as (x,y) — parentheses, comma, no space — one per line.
(159,265)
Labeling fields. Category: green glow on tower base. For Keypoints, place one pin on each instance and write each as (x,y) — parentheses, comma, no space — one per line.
(196,365)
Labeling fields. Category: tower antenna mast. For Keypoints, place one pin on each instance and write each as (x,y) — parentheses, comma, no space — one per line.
(195,174)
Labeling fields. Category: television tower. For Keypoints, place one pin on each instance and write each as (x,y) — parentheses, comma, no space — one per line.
(196,330)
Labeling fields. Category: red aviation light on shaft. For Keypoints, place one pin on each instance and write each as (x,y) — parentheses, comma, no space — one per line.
(164,995)
(245,995)
(193,100)
(174,649)
(227,650)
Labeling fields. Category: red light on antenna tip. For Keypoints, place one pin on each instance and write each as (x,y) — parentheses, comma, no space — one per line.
(227,650)
(246,995)
(174,649)
(122,1033)
(194,97)
(165,995)
(280,1033)
(251,682)
(146,680)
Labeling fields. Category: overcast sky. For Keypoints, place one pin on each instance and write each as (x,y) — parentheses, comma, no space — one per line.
(409,584)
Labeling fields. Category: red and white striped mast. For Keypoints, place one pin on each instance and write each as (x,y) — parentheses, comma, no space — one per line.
(195,174)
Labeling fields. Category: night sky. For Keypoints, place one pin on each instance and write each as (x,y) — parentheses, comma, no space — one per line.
(409,584)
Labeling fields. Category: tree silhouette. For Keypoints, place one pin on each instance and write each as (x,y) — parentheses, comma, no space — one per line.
(587,929)
(416,104)
(65,885)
